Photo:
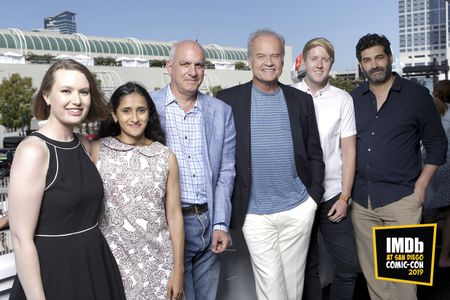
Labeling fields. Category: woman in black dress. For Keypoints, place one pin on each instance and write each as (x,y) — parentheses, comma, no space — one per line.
(55,194)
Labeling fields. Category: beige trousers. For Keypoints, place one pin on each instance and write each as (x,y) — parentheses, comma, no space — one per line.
(407,210)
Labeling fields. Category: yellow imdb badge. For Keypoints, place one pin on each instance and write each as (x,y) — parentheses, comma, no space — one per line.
(405,253)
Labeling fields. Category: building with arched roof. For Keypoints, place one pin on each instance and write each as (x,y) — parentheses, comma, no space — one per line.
(43,42)
(53,44)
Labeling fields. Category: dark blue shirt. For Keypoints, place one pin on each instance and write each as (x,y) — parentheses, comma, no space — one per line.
(388,157)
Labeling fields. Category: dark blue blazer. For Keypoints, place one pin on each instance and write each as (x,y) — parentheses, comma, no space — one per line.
(305,138)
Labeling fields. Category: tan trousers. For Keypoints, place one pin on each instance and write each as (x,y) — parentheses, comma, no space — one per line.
(407,210)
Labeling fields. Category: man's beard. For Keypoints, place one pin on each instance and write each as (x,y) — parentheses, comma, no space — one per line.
(382,77)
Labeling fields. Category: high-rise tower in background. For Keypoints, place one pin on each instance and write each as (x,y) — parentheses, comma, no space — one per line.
(64,22)
(423,29)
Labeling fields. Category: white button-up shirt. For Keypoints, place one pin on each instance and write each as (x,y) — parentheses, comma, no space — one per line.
(335,120)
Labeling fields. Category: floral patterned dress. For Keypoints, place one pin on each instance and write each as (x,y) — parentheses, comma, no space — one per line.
(133,219)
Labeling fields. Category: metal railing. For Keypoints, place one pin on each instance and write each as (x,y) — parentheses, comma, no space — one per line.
(5,236)
(7,266)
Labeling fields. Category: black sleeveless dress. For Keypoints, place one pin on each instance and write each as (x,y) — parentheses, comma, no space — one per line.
(75,260)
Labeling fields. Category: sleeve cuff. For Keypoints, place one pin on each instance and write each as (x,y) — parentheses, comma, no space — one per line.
(220,226)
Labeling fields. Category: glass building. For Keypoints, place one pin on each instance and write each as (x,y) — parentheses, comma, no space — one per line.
(64,22)
(423,30)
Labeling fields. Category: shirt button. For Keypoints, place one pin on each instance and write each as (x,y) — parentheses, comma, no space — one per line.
(185,137)
(193,175)
(373,133)
(189,156)
(368,149)
(376,117)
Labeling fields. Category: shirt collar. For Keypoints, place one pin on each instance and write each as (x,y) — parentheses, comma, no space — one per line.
(153,149)
(306,88)
(170,98)
(396,85)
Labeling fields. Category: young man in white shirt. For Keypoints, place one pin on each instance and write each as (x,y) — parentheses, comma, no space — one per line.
(336,123)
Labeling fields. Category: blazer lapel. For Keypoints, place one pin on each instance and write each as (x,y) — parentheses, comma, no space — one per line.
(208,117)
(160,103)
(295,119)
(244,114)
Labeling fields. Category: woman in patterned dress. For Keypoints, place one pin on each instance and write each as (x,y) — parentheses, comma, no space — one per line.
(142,219)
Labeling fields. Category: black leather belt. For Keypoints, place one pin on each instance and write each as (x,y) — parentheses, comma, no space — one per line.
(197,209)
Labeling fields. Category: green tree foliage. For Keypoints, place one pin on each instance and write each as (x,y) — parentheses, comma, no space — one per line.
(104,61)
(241,66)
(215,89)
(39,59)
(15,101)
(345,84)
(157,63)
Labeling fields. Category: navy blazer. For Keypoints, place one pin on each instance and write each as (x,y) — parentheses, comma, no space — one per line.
(305,137)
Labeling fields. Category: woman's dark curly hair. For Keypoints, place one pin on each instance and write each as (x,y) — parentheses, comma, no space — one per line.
(153,130)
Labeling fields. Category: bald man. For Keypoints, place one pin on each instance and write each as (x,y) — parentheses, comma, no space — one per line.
(200,131)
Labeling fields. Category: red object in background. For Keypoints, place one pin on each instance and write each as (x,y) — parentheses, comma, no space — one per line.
(298,62)
(91,136)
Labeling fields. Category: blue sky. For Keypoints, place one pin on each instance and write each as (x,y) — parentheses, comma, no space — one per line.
(226,23)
